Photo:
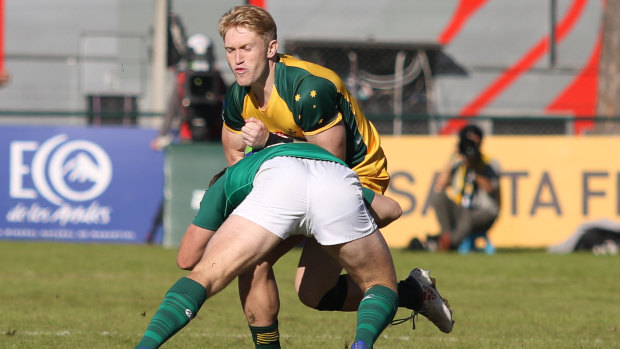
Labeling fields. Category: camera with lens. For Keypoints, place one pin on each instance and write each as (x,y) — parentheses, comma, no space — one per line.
(469,149)
(203,95)
(202,88)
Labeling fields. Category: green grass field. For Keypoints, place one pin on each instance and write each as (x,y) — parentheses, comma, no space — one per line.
(103,296)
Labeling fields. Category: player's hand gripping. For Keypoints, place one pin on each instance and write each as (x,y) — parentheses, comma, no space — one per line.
(254,133)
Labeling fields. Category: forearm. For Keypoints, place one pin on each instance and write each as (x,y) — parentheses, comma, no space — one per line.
(192,246)
(173,109)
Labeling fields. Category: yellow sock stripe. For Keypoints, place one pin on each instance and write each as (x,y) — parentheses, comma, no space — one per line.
(267,337)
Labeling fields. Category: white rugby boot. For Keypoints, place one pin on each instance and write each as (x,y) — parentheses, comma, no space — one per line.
(435,308)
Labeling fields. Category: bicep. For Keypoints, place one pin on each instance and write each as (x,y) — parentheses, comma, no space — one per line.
(332,139)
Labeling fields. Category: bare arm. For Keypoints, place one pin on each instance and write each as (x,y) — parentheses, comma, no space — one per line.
(333,139)
(234,146)
(192,246)
(384,210)
(172,116)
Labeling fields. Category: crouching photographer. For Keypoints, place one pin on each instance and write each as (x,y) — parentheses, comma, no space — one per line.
(466,195)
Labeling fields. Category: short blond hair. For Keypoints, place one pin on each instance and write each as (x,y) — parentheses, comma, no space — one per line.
(252,17)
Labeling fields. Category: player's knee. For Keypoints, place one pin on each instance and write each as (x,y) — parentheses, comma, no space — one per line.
(260,277)
(308,298)
(334,299)
(307,294)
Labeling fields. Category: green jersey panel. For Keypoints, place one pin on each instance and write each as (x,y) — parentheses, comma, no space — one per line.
(232,112)
(212,212)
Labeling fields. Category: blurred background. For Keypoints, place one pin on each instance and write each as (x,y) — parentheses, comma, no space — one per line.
(540,77)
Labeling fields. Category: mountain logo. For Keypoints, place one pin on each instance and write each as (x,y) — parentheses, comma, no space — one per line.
(61,169)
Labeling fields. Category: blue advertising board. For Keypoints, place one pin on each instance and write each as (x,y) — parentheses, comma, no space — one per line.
(79,184)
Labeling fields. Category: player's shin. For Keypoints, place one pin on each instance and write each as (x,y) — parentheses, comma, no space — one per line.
(376,311)
(266,337)
(179,306)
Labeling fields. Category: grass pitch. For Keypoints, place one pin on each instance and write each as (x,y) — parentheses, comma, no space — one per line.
(56,295)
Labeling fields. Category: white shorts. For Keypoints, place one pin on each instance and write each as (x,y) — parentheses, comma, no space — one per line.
(320,199)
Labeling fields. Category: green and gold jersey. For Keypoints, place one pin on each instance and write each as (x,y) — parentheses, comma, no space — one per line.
(307,99)
(232,188)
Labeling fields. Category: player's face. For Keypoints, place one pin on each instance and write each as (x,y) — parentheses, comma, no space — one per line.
(247,56)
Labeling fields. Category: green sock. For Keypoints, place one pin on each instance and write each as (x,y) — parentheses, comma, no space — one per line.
(179,306)
(266,337)
(375,312)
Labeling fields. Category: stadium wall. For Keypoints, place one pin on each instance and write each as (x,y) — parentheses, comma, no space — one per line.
(502,59)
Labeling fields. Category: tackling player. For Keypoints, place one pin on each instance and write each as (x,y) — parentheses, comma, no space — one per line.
(254,206)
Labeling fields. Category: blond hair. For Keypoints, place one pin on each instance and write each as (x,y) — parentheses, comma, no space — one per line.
(251,17)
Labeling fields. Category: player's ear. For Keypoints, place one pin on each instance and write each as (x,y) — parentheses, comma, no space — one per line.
(272,48)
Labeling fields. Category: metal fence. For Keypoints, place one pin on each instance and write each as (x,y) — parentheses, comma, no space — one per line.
(386,124)
(393,84)
(385,78)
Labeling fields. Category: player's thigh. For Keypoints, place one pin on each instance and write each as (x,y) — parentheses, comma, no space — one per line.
(237,245)
(317,271)
(368,260)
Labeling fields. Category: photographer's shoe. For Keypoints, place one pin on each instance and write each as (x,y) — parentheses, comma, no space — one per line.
(444,242)
(435,308)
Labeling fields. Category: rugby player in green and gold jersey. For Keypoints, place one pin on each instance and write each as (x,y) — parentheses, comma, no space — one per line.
(282,95)
(277,98)
(245,215)
(309,103)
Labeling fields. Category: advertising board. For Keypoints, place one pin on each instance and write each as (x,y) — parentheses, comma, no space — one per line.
(79,184)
